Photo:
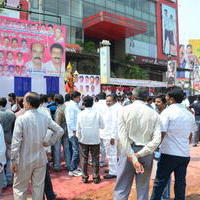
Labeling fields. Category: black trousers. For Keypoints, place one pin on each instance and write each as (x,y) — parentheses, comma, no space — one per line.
(166,166)
(94,150)
(48,187)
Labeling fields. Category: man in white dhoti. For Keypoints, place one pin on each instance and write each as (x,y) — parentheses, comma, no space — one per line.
(28,154)
(110,134)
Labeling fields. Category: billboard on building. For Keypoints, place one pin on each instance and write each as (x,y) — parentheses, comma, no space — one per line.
(88,84)
(31,48)
(140,48)
(169,30)
(171,72)
(190,60)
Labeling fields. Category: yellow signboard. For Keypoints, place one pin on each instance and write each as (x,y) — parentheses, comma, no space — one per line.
(195,47)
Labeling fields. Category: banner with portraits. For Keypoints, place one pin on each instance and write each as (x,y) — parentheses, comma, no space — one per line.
(30,49)
(171,72)
(169,30)
(88,84)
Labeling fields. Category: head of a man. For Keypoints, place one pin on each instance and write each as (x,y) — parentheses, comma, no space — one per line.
(3,102)
(50,28)
(175,95)
(11,68)
(58,33)
(81,79)
(14,43)
(111,99)
(12,97)
(31,101)
(141,93)
(92,88)
(58,99)
(19,56)
(88,101)
(129,95)
(160,102)
(189,49)
(67,97)
(37,52)
(24,43)
(101,96)
(91,79)
(57,51)
(6,41)
(76,96)
(10,55)
(50,98)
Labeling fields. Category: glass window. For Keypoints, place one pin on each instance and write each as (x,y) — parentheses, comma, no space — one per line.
(88,9)
(64,7)
(100,2)
(65,20)
(120,6)
(76,8)
(110,4)
(79,34)
(76,21)
(35,4)
(73,35)
(50,6)
(152,8)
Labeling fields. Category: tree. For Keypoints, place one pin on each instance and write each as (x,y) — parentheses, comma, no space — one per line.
(132,70)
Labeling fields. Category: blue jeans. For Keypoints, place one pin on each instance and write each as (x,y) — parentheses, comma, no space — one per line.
(8,173)
(74,153)
(166,193)
(166,166)
(64,141)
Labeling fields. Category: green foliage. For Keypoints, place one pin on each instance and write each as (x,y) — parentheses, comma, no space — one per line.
(132,70)
(136,72)
(88,47)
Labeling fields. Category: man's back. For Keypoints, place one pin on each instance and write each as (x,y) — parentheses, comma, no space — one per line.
(140,122)
(31,128)
(178,123)
(7,120)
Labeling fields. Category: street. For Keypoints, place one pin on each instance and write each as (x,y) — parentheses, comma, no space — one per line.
(71,188)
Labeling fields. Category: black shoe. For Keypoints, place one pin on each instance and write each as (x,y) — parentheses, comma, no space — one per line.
(85,180)
(106,171)
(96,180)
(109,176)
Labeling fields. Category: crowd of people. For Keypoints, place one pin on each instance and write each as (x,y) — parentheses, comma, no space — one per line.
(125,134)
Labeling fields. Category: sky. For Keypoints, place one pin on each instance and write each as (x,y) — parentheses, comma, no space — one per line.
(189,24)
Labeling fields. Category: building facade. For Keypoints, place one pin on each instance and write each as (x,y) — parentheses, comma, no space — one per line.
(145,29)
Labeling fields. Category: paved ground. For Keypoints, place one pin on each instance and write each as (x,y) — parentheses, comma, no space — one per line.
(68,188)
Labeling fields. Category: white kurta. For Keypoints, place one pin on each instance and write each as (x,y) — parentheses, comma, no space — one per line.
(28,152)
(3,147)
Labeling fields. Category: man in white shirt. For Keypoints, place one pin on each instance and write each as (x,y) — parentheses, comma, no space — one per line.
(88,124)
(177,124)
(28,155)
(110,134)
(139,136)
(101,108)
(71,113)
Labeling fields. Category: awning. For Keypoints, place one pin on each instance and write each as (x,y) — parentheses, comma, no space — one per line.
(110,26)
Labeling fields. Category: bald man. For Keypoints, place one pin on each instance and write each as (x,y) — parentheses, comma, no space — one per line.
(35,65)
(28,155)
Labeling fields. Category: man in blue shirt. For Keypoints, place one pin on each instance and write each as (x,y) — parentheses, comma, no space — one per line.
(71,114)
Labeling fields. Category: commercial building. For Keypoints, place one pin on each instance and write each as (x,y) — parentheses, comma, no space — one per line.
(147,30)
